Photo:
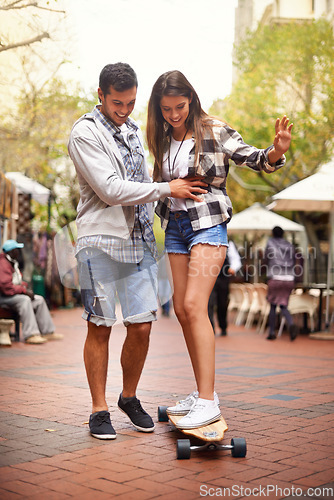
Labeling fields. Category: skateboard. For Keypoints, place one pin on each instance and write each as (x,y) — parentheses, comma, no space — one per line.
(212,434)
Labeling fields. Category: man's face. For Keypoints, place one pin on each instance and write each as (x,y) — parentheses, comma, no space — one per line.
(14,254)
(117,106)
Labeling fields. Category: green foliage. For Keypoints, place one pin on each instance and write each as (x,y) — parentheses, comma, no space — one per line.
(284,69)
(159,234)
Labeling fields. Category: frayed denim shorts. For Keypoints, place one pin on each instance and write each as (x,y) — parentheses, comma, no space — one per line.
(180,236)
(102,279)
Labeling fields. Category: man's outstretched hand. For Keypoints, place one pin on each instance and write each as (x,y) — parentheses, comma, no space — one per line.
(187,188)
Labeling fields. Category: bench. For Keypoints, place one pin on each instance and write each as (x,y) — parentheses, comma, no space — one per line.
(6,313)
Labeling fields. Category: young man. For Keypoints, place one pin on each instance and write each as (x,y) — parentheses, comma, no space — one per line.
(116,249)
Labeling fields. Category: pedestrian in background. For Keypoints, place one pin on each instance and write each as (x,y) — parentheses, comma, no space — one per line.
(37,324)
(219,297)
(280,259)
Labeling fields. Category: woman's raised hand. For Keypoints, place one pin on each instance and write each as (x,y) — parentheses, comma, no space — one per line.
(282,135)
(282,139)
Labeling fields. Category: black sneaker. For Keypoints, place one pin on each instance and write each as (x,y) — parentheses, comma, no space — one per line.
(100,426)
(138,416)
(293,330)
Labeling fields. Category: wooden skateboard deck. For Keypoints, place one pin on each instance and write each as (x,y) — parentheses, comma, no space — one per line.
(211,432)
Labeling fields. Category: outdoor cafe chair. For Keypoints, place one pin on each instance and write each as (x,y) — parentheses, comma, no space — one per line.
(301,303)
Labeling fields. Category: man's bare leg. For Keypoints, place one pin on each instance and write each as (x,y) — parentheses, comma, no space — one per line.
(133,356)
(96,355)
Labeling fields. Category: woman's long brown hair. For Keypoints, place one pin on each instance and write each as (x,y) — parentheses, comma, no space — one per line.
(172,83)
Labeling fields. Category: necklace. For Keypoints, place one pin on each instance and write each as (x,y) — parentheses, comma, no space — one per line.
(171,170)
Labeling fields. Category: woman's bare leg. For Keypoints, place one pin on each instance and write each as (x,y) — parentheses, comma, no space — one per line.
(193,280)
(204,266)
(179,264)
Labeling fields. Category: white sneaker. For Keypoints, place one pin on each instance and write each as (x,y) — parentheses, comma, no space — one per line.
(35,339)
(185,405)
(203,412)
(53,336)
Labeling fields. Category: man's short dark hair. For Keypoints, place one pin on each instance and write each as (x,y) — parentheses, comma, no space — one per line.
(278,232)
(120,75)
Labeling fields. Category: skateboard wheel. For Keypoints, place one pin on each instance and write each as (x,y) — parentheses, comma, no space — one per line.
(183,449)
(162,414)
(239,447)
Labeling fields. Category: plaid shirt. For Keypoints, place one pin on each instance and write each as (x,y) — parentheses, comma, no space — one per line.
(213,164)
(131,250)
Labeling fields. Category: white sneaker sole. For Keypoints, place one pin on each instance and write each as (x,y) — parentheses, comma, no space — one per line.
(104,436)
(177,412)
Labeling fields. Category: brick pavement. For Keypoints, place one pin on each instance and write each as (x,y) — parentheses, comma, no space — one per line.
(278,395)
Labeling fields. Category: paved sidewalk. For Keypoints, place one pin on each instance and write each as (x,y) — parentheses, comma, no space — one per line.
(278,395)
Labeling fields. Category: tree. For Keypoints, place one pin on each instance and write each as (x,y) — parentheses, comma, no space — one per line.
(19,5)
(34,44)
(284,69)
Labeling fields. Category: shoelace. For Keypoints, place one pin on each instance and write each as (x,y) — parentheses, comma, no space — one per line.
(197,406)
(190,398)
(185,402)
(102,419)
(137,407)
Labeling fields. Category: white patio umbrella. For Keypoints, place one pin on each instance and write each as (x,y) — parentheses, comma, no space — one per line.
(27,185)
(259,220)
(315,193)
(256,221)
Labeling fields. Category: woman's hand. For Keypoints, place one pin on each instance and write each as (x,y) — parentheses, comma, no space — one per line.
(282,139)
(186,188)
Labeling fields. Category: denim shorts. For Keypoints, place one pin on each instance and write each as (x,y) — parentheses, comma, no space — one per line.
(102,279)
(180,236)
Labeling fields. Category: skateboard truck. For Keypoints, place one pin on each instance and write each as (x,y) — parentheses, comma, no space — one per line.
(184,447)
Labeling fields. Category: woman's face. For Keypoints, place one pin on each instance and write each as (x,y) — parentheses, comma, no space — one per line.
(175,110)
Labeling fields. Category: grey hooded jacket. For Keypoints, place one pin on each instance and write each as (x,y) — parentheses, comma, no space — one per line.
(107,198)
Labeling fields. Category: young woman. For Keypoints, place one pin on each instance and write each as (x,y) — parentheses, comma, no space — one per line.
(186,142)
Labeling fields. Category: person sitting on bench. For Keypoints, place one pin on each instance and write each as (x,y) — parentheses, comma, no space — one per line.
(37,324)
